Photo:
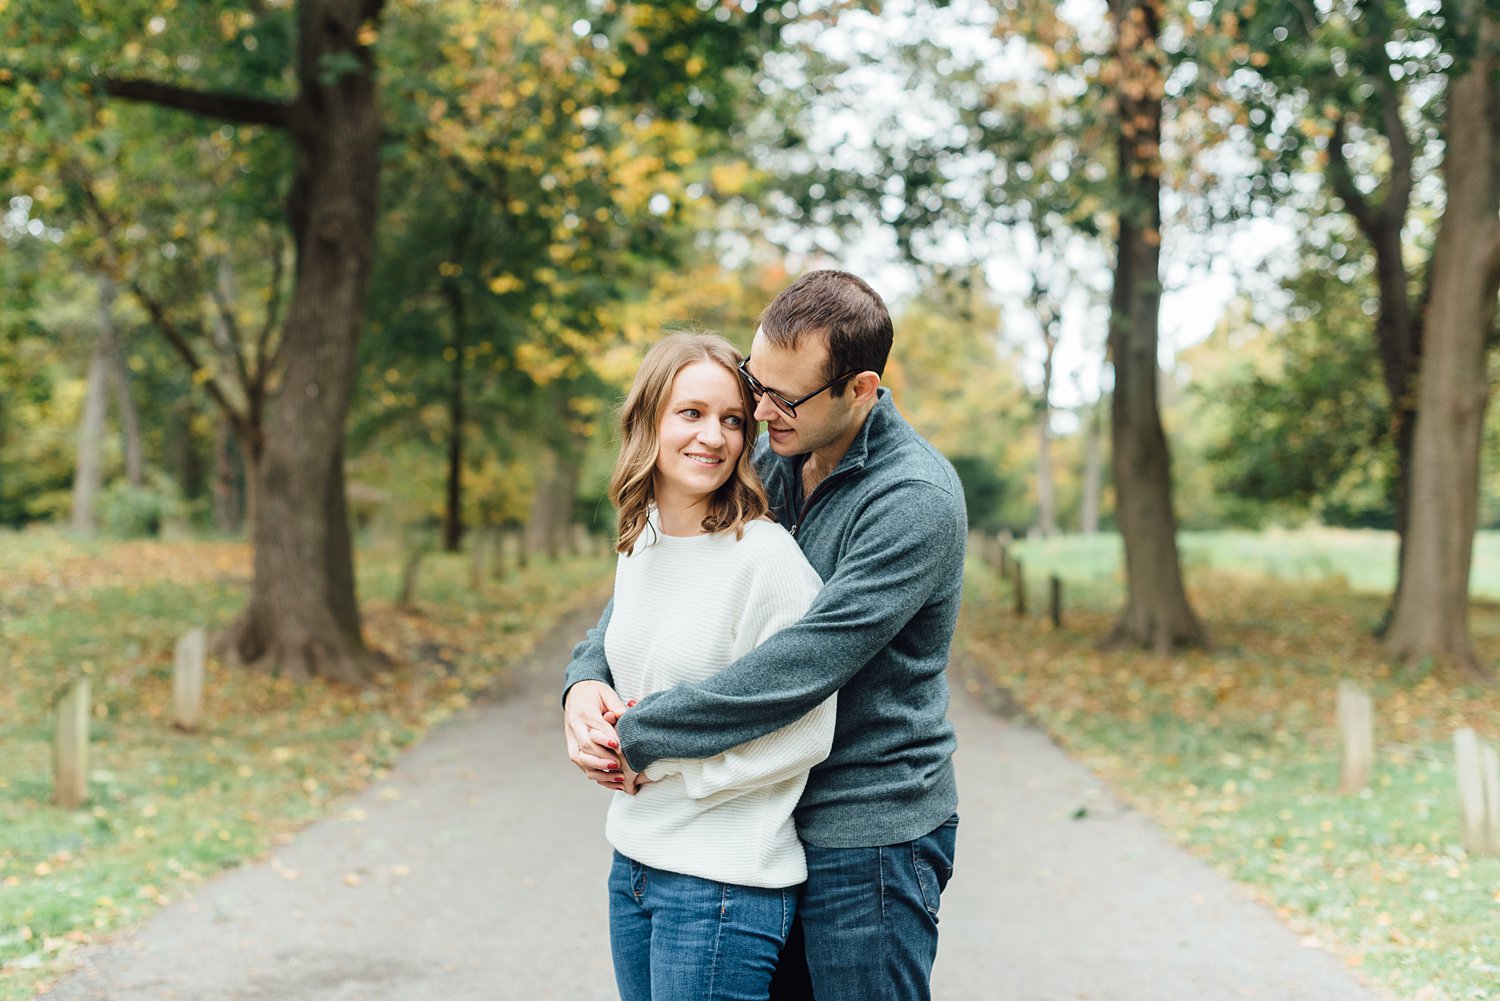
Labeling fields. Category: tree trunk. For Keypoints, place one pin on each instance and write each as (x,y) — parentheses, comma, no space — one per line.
(119,378)
(1398,329)
(303,617)
(453,523)
(1157,614)
(1093,469)
(227,509)
(89,474)
(1046,496)
(552,505)
(1431,617)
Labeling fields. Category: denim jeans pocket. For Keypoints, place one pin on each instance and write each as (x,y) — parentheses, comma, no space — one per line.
(932,859)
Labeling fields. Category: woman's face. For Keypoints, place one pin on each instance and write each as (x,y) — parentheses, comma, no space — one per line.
(702,433)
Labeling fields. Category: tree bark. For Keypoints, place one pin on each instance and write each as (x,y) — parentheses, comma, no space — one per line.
(1093,469)
(89,474)
(552,505)
(1398,328)
(303,617)
(1157,614)
(227,510)
(1431,617)
(453,515)
(119,379)
(1046,495)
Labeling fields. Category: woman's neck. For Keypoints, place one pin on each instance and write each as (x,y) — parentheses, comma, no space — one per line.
(679,513)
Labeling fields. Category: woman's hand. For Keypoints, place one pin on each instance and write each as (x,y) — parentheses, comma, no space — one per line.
(589,716)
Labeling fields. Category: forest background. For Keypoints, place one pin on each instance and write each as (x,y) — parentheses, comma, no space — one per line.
(353,282)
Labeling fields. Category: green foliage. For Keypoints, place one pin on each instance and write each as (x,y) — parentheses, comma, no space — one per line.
(1311,432)
(985,492)
(958,385)
(127,512)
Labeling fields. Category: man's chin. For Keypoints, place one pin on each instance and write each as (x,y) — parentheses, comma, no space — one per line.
(784,446)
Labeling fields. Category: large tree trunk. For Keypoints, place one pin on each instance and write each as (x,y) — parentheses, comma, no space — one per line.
(303,618)
(89,474)
(1431,617)
(1157,614)
(453,515)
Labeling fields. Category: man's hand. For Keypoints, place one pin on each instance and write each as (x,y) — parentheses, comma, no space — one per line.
(593,744)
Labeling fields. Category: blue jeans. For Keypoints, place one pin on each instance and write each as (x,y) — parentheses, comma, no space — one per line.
(681,938)
(868,921)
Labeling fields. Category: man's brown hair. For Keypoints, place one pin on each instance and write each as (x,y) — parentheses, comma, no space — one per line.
(846,313)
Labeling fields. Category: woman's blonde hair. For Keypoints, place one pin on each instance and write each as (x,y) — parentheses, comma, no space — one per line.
(740,499)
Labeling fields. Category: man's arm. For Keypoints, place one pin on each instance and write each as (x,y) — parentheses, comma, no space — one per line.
(906,543)
(588,695)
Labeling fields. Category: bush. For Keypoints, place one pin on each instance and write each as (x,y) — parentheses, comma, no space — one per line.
(127,512)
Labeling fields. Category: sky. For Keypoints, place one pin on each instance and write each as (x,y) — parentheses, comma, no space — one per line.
(1202,271)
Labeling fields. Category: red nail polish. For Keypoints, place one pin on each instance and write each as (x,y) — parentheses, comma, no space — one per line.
(630,703)
(615,744)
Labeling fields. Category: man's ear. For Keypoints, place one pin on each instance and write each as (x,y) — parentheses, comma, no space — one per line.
(863,387)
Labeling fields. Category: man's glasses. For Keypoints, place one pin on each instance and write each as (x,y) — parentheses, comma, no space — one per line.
(786,406)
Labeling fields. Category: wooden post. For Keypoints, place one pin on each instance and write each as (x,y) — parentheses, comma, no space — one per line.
(71,747)
(1003,559)
(1018,582)
(1474,810)
(1357,730)
(187,680)
(1056,602)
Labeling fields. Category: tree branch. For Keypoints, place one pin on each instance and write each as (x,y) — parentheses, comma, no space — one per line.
(263,365)
(1398,195)
(228,107)
(1342,180)
(228,339)
(157,312)
(184,349)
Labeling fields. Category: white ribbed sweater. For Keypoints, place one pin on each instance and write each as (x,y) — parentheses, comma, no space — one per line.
(685,606)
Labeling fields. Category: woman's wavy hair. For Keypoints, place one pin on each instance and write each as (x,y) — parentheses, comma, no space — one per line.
(741,498)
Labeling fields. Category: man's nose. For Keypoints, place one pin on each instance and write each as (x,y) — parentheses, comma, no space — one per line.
(765,410)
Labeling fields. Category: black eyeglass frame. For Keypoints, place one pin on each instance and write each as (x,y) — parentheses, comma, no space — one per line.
(786,406)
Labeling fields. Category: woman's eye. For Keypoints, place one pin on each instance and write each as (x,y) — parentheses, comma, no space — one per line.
(735,422)
(691,412)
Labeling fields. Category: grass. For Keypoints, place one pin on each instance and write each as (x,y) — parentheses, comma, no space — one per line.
(1090,565)
(1234,750)
(167,810)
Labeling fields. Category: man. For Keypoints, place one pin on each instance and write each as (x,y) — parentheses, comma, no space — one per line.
(880,515)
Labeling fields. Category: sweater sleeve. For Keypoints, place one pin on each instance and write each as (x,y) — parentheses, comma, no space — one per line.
(589,663)
(779,597)
(908,539)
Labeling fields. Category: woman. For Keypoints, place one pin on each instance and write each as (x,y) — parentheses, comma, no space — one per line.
(707,862)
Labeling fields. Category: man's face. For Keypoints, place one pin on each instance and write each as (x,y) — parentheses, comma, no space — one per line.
(792,373)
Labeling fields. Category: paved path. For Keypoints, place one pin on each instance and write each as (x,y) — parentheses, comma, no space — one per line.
(476,873)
